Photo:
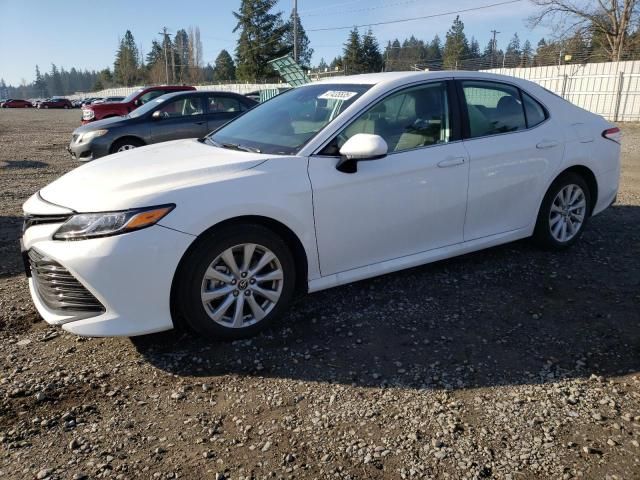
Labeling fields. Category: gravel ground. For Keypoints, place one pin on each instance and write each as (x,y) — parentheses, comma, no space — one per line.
(508,363)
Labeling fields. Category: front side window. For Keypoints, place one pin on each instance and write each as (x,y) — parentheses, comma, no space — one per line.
(412,118)
(183,107)
(283,124)
(150,96)
(493,108)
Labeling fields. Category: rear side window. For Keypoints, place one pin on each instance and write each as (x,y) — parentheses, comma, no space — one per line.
(535,112)
(493,108)
(222,104)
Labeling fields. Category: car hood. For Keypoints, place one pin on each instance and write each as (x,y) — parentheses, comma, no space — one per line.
(99,124)
(143,176)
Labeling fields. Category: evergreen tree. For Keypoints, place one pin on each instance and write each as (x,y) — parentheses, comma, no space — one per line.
(224,68)
(261,39)
(322,66)
(55,85)
(474,48)
(40,86)
(181,52)
(305,52)
(434,49)
(155,55)
(526,57)
(125,67)
(456,47)
(352,53)
(513,54)
(371,56)
(336,63)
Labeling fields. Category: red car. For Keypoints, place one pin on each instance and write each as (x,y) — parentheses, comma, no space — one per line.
(141,96)
(14,103)
(56,103)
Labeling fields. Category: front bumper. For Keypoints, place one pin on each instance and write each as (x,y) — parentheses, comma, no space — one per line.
(129,274)
(85,152)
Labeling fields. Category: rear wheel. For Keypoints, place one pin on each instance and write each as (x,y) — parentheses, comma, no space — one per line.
(564,212)
(126,144)
(234,283)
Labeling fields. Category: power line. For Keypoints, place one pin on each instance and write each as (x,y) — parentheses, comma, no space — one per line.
(402,20)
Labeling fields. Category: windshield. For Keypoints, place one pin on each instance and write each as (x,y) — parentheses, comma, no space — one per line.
(147,107)
(285,123)
(132,95)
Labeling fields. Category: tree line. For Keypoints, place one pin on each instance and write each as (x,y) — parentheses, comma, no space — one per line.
(602,32)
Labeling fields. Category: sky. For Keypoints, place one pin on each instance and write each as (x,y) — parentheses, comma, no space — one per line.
(85,34)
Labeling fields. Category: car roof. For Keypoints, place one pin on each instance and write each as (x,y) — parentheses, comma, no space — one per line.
(193,93)
(399,78)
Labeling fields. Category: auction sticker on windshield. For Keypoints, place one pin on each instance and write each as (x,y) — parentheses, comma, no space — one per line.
(337,95)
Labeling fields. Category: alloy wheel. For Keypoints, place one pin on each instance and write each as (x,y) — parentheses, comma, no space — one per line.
(568,211)
(242,285)
(123,148)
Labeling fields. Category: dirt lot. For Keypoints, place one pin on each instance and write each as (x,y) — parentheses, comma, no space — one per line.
(509,363)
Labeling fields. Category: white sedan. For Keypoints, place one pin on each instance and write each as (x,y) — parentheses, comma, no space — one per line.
(323,185)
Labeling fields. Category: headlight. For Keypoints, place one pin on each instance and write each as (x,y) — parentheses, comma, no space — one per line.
(92,225)
(85,137)
(88,114)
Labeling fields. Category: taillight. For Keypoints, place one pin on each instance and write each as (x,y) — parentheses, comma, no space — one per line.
(614,134)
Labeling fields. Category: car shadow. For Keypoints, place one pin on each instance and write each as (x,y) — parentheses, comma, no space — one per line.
(20,164)
(10,258)
(508,315)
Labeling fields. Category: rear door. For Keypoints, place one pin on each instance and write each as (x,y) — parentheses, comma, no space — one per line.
(513,147)
(179,118)
(221,109)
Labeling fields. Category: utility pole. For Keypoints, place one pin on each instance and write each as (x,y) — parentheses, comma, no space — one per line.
(493,46)
(164,47)
(295,31)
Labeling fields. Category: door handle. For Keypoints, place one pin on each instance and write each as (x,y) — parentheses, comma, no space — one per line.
(201,123)
(547,144)
(451,162)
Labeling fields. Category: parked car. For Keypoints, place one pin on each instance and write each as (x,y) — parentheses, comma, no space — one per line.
(56,103)
(93,112)
(2,100)
(108,100)
(15,103)
(168,117)
(87,101)
(323,185)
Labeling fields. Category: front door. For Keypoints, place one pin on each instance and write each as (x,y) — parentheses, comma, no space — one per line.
(180,118)
(410,201)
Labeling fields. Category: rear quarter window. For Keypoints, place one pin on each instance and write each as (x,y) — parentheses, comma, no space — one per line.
(536,113)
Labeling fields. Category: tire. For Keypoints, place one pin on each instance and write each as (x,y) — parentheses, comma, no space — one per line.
(215,319)
(46,106)
(66,107)
(125,144)
(560,223)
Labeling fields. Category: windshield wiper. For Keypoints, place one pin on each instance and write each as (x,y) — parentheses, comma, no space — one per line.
(231,146)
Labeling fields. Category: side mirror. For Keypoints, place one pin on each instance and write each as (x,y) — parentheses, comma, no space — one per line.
(157,115)
(137,102)
(360,147)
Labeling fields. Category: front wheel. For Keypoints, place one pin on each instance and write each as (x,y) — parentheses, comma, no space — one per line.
(235,282)
(564,212)
(126,144)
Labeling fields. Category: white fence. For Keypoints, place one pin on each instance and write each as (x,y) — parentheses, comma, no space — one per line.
(241,88)
(609,89)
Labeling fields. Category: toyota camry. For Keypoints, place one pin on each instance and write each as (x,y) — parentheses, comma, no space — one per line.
(322,185)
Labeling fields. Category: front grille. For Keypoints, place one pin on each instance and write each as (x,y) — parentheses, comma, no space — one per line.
(58,289)
(31,220)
